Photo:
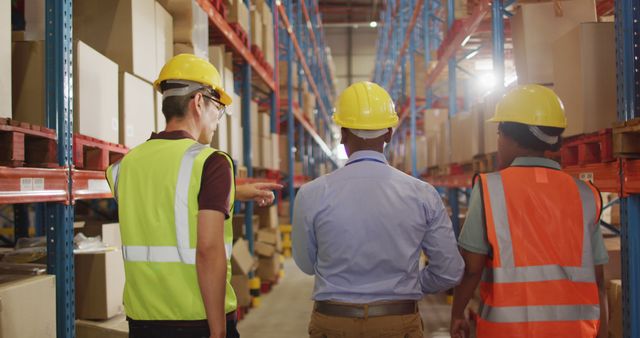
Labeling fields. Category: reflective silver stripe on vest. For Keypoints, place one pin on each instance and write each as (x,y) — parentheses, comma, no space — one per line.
(541,313)
(589,219)
(181,203)
(538,274)
(500,219)
(115,168)
(160,254)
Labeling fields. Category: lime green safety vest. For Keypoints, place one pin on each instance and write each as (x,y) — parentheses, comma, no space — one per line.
(156,186)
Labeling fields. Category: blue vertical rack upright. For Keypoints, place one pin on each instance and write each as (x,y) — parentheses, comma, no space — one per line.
(628,78)
(59,116)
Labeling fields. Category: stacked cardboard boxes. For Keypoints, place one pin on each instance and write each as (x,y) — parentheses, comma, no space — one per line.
(239,13)
(268,247)
(614,296)
(95,90)
(535,27)
(242,263)
(190,27)
(583,61)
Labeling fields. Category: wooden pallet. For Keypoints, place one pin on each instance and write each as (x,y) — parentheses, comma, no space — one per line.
(626,139)
(587,149)
(93,154)
(24,144)
(485,163)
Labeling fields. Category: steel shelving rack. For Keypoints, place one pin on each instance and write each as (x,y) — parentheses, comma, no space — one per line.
(304,51)
(621,176)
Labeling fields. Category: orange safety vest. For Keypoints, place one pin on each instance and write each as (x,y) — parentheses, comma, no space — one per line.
(539,280)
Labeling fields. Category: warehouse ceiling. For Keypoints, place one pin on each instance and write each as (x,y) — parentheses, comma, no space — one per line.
(350,11)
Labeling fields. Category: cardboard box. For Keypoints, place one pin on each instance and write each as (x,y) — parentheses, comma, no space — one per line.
(283,150)
(264,249)
(463,149)
(272,237)
(421,155)
(275,154)
(110,233)
(96,100)
(239,226)
(190,25)
(308,105)
(137,110)
(583,78)
(234,131)
(164,36)
(116,327)
(241,260)
(284,82)
(298,168)
(432,120)
(268,216)
(614,296)
(256,29)
(123,30)
(28,306)
(444,152)
(99,284)
(240,284)
(613,269)
(266,156)
(239,13)
(5,59)
(269,268)
(534,29)
(265,124)
(216,57)
(95,89)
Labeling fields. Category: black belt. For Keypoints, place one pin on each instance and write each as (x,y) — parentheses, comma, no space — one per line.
(396,308)
(231,316)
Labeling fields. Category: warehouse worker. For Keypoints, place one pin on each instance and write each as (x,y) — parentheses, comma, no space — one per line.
(175,200)
(532,238)
(361,229)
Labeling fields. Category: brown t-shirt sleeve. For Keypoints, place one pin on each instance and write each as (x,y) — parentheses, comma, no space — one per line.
(215,186)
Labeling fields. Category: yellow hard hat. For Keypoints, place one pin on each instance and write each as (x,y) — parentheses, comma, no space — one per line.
(365,105)
(189,67)
(533,105)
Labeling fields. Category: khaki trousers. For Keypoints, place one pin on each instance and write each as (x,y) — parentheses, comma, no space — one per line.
(405,326)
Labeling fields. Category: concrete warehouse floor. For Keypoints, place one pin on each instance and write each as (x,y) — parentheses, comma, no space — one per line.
(286,310)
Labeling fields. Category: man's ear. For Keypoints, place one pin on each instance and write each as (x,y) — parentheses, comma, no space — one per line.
(387,136)
(344,135)
(198,105)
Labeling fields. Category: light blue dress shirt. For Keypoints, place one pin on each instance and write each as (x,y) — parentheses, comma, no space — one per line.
(360,231)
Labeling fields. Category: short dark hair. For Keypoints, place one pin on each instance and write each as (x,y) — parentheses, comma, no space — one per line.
(176,106)
(525,138)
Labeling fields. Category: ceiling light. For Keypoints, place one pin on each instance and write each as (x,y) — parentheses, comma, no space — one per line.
(373,24)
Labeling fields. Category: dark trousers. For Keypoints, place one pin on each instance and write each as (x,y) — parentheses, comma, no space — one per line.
(191,329)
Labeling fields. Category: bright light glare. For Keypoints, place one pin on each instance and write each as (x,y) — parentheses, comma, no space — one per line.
(342,152)
(373,24)
(487,81)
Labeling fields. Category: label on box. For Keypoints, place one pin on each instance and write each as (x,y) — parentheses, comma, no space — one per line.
(38,183)
(99,186)
(26,184)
